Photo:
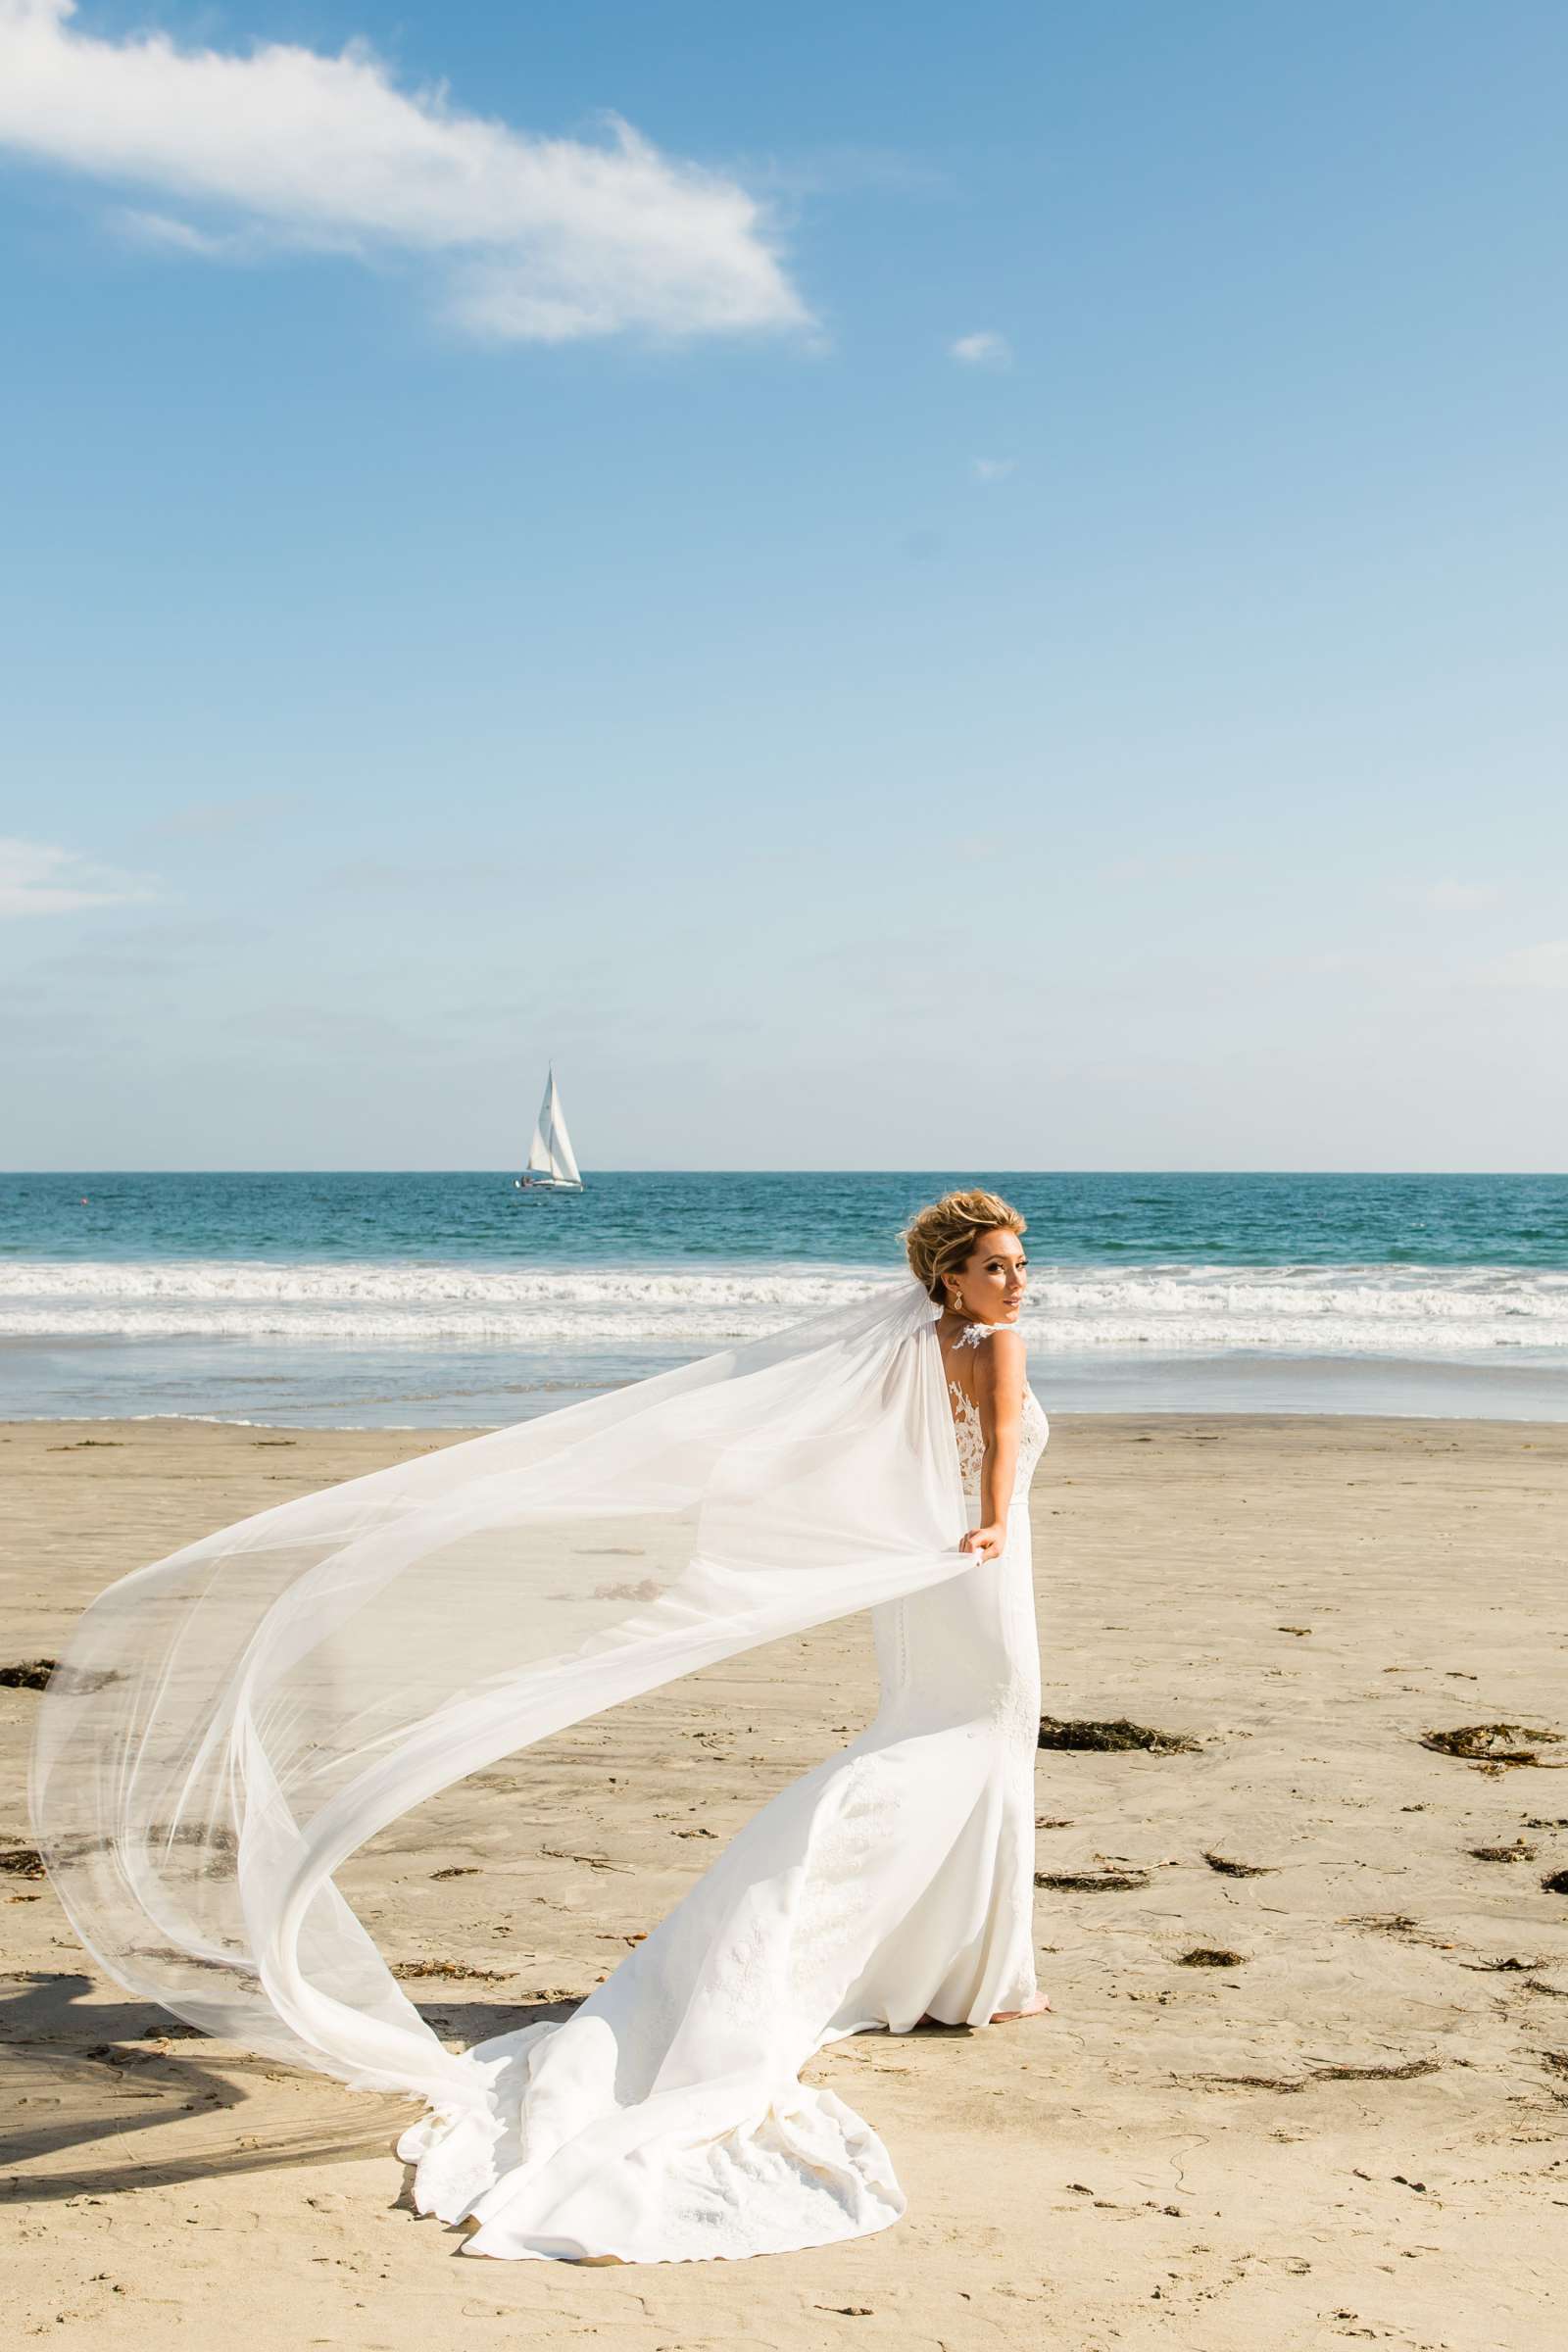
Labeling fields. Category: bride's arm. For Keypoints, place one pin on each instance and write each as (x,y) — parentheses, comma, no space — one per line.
(998,1392)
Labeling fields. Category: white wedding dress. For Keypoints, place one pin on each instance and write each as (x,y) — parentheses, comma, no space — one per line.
(665,2120)
(225,1726)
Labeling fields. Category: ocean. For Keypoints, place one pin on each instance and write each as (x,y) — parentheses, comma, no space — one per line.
(360,1301)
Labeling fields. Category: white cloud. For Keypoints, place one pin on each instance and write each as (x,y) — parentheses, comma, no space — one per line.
(530,237)
(37,878)
(992,469)
(845,169)
(1543,966)
(165,235)
(982,351)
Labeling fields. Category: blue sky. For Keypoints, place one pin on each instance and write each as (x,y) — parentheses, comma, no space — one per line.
(978,586)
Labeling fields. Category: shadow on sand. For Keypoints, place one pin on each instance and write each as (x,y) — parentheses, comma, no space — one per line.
(160,2102)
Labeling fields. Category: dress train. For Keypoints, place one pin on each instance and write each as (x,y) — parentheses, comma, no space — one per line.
(665,2120)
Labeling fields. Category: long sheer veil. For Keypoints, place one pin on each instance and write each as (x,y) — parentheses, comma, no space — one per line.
(227,1726)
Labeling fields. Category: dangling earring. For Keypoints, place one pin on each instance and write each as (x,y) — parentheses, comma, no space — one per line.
(956,1306)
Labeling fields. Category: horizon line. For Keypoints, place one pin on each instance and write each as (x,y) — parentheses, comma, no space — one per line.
(506,1171)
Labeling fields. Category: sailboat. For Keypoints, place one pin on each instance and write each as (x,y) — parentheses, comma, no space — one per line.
(551,1163)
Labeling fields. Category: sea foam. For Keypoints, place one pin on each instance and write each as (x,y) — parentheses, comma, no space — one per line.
(1175,1308)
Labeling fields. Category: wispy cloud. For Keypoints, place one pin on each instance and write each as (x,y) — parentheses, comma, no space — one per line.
(1448,898)
(37,878)
(1545,965)
(149,950)
(843,169)
(1176,865)
(527,237)
(986,350)
(216,819)
(992,469)
(162,235)
(376,877)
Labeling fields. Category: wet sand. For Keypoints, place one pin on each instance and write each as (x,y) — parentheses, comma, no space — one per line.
(1353,2128)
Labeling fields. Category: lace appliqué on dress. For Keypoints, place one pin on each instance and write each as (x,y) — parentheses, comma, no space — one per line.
(970,1440)
(1032,1431)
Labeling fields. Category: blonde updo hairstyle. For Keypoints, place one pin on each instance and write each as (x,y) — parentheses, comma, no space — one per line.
(941,1239)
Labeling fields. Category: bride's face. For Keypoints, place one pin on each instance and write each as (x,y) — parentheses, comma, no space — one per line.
(994,1281)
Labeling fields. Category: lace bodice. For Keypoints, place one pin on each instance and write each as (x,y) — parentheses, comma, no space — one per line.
(1034,1430)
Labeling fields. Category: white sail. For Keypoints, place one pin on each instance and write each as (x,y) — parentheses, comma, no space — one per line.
(550,1155)
(562,1159)
(538,1160)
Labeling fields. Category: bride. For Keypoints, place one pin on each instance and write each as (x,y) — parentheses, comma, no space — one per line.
(225,1728)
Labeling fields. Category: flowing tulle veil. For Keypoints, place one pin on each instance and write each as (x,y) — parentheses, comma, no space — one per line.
(227,1726)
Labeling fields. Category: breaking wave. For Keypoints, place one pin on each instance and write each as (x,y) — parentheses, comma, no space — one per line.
(1178,1309)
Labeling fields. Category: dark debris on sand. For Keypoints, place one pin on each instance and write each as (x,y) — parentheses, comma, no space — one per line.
(1116,1737)
(31,1675)
(1407,2072)
(1090,1882)
(34,1674)
(1490,1742)
(1510,1966)
(418,1969)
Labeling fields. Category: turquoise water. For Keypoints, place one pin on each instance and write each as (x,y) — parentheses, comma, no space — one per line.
(450,1298)
(834,1219)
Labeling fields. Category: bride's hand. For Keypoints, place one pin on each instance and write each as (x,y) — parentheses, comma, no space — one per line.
(987,1543)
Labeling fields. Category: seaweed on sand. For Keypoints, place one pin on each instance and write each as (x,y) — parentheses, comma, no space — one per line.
(1490,1742)
(422,1968)
(33,1674)
(1236,1870)
(1090,1882)
(1115,1737)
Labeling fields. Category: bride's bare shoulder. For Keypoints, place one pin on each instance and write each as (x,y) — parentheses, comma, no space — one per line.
(1001,1362)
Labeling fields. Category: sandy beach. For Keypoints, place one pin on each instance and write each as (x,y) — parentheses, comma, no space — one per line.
(1348,2122)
